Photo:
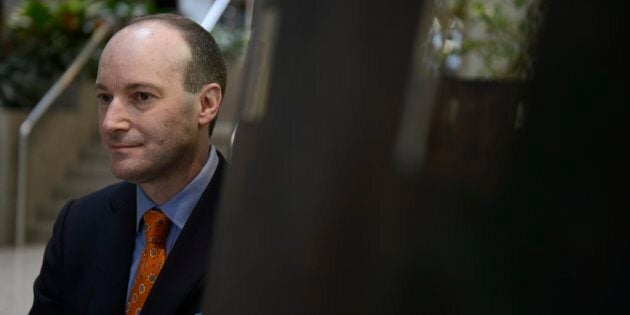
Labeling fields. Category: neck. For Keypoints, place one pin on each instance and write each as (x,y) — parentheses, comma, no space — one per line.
(163,189)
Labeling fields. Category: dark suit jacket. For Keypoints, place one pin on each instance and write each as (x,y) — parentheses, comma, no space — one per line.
(87,260)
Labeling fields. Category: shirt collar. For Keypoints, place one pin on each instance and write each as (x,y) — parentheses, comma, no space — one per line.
(179,208)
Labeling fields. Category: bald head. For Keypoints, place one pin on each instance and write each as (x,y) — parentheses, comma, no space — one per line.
(206,64)
(151,44)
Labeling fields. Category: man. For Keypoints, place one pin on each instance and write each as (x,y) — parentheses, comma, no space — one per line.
(142,245)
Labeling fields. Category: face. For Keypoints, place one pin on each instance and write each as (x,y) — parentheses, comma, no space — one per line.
(148,122)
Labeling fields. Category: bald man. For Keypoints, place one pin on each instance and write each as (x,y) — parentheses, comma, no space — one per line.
(141,246)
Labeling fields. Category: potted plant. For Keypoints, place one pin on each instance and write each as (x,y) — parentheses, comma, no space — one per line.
(42,38)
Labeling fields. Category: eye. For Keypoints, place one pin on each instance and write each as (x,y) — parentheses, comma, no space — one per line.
(104,98)
(142,96)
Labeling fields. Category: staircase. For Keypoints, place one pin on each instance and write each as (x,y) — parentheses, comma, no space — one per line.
(90,174)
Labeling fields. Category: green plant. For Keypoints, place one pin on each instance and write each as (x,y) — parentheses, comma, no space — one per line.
(501,34)
(231,40)
(42,38)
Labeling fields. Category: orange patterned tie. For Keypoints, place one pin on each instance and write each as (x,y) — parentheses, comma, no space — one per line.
(156,226)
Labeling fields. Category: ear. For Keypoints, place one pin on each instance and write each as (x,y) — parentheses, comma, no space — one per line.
(209,99)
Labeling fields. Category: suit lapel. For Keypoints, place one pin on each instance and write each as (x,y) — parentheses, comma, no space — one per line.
(115,240)
(186,265)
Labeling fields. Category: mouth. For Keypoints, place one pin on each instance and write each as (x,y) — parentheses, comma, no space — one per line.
(121,147)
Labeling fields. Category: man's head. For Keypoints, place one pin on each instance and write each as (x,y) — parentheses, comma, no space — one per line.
(160,82)
(206,65)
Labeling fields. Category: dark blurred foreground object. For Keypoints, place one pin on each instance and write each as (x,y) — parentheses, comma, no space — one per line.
(320,217)
(570,241)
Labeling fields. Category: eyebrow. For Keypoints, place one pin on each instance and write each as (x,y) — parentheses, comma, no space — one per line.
(135,86)
(132,86)
(99,86)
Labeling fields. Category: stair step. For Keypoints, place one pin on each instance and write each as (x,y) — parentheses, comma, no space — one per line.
(39,231)
(95,151)
(72,189)
(50,211)
(77,186)
(91,167)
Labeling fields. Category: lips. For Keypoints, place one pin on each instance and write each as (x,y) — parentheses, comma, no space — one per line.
(122,146)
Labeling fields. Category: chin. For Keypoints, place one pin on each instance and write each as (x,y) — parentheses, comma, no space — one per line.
(126,173)
(122,175)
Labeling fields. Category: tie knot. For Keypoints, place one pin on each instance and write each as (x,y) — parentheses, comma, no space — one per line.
(156,226)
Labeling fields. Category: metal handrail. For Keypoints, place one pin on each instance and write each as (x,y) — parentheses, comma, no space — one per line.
(99,35)
(213,15)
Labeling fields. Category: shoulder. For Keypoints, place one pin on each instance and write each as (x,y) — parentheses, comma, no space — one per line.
(84,216)
(111,192)
(98,204)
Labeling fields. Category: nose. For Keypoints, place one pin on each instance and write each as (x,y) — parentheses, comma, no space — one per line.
(114,117)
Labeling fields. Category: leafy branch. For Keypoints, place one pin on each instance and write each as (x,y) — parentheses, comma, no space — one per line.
(504,35)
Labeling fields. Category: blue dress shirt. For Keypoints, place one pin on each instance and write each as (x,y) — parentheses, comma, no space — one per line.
(177,209)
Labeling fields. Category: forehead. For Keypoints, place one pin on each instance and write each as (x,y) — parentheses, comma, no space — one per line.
(144,50)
